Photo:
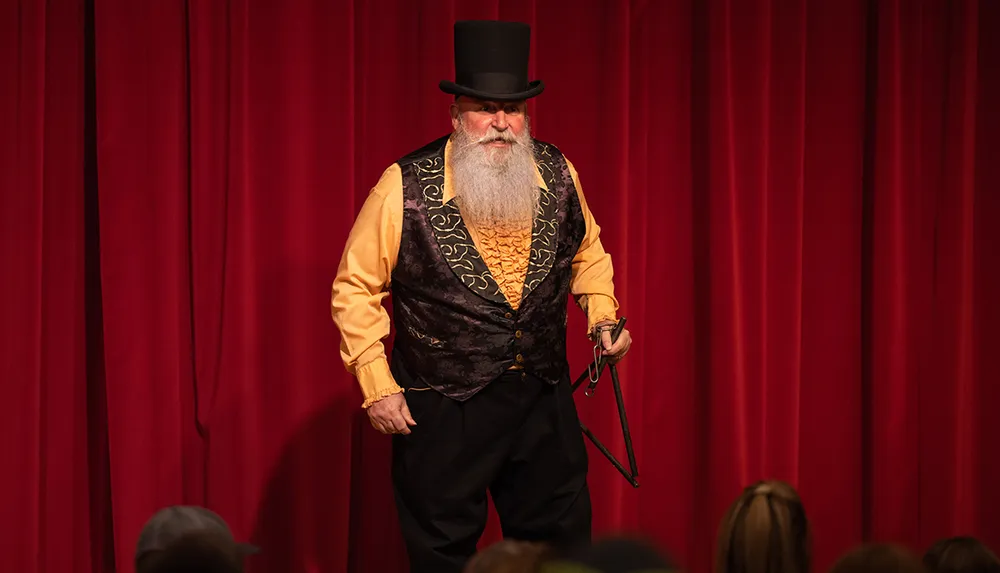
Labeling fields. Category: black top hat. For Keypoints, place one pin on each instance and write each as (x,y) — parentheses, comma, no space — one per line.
(491,61)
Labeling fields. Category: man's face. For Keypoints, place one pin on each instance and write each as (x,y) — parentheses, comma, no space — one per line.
(478,117)
(493,162)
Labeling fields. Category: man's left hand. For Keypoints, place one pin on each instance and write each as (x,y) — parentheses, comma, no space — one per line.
(616,351)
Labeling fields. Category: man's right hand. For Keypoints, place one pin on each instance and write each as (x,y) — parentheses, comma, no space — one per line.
(390,415)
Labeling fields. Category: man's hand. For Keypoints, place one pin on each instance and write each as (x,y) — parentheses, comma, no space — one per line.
(390,415)
(616,351)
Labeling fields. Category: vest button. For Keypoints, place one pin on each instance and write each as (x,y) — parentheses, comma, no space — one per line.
(519,358)
(517,334)
(508,315)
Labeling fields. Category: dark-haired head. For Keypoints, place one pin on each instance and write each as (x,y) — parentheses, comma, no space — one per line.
(199,552)
(962,554)
(615,554)
(507,556)
(878,558)
(765,531)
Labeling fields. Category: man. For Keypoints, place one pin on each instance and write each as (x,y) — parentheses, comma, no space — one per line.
(189,538)
(481,236)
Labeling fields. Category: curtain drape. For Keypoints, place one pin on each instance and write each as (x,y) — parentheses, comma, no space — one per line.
(45,433)
(802,200)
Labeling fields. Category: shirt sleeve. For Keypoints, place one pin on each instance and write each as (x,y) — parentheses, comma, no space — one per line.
(593,272)
(362,283)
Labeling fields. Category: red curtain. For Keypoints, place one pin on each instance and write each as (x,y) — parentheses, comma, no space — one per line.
(802,200)
(45,446)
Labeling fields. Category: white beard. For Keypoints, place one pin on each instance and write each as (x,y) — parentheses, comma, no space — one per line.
(495,186)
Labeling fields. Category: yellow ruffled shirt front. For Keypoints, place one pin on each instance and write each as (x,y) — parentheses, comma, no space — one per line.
(505,250)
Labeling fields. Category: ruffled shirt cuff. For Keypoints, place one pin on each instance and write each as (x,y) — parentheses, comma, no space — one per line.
(376,381)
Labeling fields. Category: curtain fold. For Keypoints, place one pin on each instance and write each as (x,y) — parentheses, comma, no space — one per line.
(800,199)
(43,345)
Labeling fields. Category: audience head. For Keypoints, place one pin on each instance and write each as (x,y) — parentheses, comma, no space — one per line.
(507,556)
(878,558)
(765,531)
(961,555)
(200,552)
(175,538)
(612,555)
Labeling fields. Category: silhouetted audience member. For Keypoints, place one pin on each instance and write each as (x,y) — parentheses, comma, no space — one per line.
(765,531)
(961,554)
(620,554)
(508,556)
(878,558)
(201,552)
(189,539)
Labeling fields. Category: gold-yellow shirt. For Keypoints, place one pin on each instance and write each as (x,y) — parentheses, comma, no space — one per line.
(363,278)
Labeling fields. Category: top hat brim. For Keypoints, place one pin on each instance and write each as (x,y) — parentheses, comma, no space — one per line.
(533,89)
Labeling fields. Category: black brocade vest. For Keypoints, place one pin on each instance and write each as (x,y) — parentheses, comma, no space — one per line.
(455,330)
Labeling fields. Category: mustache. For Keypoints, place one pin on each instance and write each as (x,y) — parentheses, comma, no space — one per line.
(493,134)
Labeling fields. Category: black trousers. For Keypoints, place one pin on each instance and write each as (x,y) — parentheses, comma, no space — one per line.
(519,439)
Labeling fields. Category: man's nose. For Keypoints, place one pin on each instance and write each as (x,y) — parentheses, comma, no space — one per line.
(500,120)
